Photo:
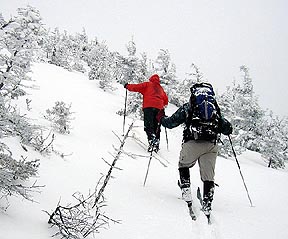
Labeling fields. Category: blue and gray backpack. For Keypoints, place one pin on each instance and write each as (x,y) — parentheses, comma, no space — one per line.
(205,114)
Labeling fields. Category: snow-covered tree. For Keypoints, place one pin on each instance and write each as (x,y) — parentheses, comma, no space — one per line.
(60,116)
(58,50)
(15,171)
(273,140)
(182,93)
(133,71)
(79,46)
(131,65)
(166,69)
(195,76)
(12,175)
(247,107)
(145,67)
(65,50)
(241,106)
(18,39)
(100,63)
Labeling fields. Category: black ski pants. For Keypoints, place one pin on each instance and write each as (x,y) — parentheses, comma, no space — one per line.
(151,123)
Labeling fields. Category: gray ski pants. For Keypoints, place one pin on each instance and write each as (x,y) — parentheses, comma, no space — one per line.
(202,151)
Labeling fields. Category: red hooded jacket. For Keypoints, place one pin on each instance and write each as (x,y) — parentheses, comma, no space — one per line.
(153,93)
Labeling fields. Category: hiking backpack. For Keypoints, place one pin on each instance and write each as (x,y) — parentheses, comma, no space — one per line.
(205,114)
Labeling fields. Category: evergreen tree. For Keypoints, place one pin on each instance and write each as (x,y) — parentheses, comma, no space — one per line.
(131,65)
(58,49)
(240,105)
(273,141)
(167,72)
(100,62)
(247,107)
(79,49)
(60,116)
(165,68)
(183,88)
(18,39)
(133,72)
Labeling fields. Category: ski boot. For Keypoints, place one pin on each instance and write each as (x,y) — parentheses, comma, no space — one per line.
(153,144)
(184,184)
(156,145)
(208,198)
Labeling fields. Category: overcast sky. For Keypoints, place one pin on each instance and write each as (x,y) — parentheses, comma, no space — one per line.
(217,35)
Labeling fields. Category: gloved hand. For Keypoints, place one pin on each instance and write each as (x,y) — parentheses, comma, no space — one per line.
(225,126)
(125,85)
(160,115)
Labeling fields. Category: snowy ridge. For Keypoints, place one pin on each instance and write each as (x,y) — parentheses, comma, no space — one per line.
(153,211)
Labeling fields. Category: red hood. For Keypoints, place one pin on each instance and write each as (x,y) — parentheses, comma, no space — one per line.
(155,78)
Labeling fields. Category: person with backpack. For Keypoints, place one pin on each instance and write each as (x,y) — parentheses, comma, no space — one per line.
(203,124)
(154,100)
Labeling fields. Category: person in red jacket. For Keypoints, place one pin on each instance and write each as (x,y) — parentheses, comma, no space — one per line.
(154,100)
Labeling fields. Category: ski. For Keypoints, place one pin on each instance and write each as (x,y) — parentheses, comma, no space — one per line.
(189,204)
(191,211)
(152,154)
(199,196)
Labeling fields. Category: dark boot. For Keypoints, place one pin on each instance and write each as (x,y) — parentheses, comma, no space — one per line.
(208,193)
(184,184)
(151,141)
(156,145)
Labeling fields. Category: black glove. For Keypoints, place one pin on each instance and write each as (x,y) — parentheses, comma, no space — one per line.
(225,126)
(160,115)
(125,85)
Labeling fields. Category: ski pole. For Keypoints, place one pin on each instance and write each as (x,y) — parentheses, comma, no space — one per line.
(240,170)
(125,111)
(151,155)
(148,168)
(166,138)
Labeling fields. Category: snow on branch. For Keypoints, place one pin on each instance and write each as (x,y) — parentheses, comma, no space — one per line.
(14,174)
(81,219)
(85,217)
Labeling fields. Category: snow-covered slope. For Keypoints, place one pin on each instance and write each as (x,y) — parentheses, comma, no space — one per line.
(154,211)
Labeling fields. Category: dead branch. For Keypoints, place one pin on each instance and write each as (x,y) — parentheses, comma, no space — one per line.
(85,217)
(108,175)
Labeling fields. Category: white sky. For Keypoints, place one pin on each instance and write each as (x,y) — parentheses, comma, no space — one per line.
(217,35)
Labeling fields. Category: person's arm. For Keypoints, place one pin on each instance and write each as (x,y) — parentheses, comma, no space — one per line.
(179,117)
(137,87)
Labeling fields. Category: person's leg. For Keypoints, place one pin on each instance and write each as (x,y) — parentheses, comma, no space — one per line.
(184,184)
(151,128)
(156,126)
(187,159)
(208,193)
(156,129)
(189,154)
(148,123)
(207,171)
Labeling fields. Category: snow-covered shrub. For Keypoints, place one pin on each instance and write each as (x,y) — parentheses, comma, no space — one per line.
(60,116)
(14,124)
(13,176)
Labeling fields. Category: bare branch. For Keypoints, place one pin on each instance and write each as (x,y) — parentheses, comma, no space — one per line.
(85,217)
(113,164)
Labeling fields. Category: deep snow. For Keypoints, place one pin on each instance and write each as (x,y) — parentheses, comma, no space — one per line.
(153,211)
